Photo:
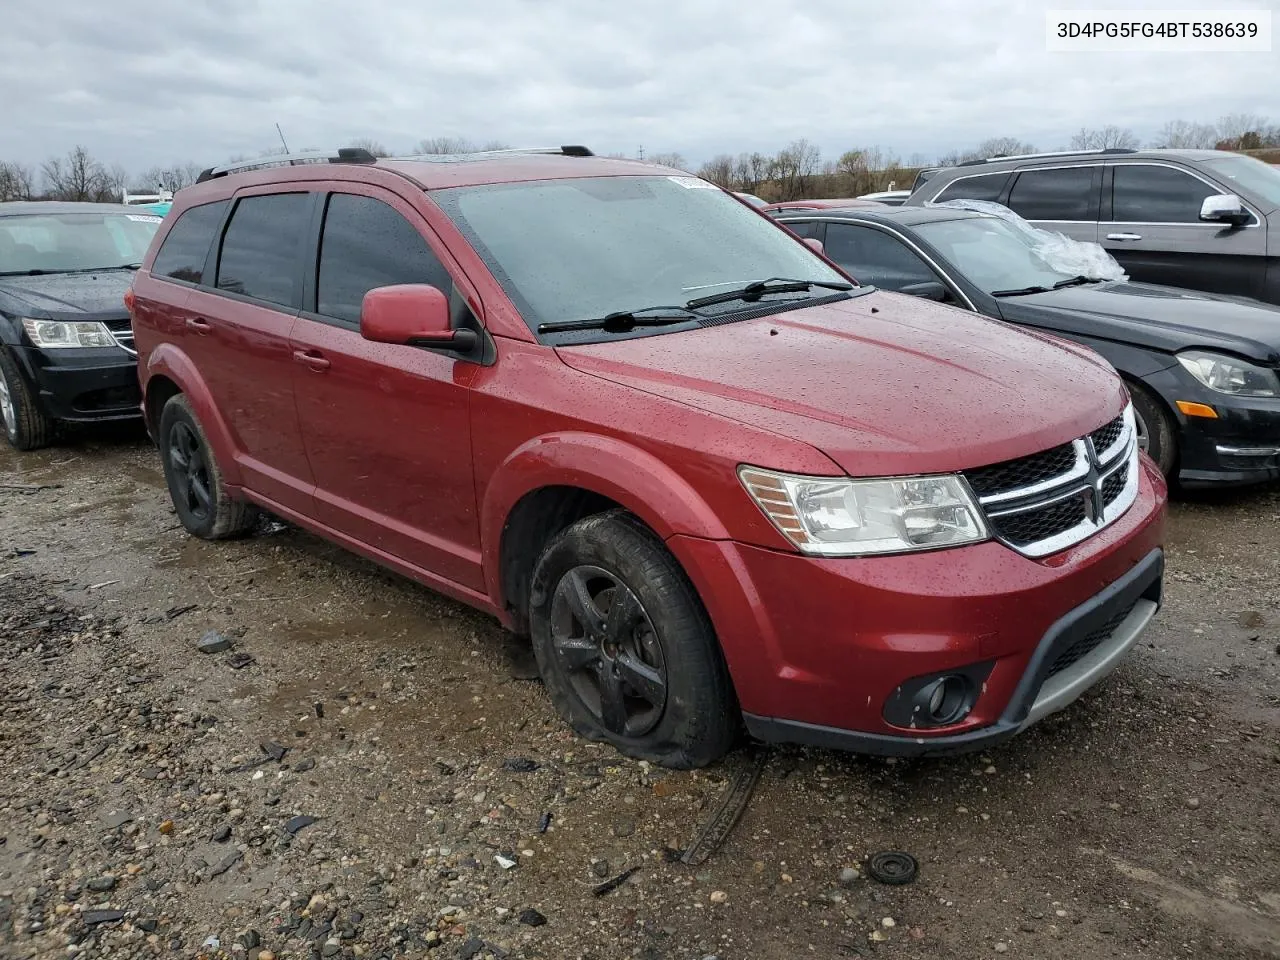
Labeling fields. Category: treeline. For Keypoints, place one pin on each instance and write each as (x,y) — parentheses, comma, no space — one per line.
(797,171)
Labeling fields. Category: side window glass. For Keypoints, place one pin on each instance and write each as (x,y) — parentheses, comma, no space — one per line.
(1065,193)
(260,249)
(988,186)
(185,247)
(802,228)
(1149,194)
(875,257)
(367,244)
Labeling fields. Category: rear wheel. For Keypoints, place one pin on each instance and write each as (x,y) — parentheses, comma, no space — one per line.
(25,425)
(625,648)
(195,482)
(1156,433)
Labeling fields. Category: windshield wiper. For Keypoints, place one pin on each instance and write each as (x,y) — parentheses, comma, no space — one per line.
(758,289)
(1076,281)
(1020,292)
(23,273)
(621,321)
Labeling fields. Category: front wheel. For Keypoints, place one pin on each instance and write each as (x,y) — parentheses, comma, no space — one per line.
(625,648)
(25,425)
(1156,433)
(195,482)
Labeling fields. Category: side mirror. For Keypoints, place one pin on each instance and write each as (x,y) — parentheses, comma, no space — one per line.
(411,314)
(813,243)
(1224,208)
(928,289)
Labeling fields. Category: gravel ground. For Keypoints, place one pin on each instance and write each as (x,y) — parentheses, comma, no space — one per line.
(367,770)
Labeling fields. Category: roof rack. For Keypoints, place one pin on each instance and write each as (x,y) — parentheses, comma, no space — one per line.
(1037,156)
(569,150)
(344,155)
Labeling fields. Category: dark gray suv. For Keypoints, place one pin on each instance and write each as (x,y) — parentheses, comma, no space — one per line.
(1204,219)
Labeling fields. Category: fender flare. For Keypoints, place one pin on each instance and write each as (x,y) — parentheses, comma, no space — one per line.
(610,467)
(167,360)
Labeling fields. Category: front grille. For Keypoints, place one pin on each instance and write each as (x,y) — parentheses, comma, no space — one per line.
(1023,472)
(1104,438)
(1114,484)
(122,332)
(1032,526)
(1089,642)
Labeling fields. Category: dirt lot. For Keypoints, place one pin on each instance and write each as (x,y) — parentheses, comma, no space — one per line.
(140,813)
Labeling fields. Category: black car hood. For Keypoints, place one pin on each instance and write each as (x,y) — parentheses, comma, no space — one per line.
(1144,314)
(62,295)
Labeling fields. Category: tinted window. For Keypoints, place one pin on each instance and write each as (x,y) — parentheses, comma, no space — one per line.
(873,256)
(1066,193)
(366,244)
(182,255)
(802,228)
(1150,194)
(988,186)
(260,248)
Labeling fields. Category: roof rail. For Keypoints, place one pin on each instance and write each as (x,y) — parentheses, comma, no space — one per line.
(569,150)
(344,155)
(1037,156)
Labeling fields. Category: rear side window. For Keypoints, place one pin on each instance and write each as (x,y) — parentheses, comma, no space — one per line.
(802,228)
(874,257)
(1065,193)
(185,247)
(988,186)
(1150,194)
(367,244)
(260,249)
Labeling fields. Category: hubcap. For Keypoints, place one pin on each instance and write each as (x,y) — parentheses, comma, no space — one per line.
(190,471)
(6,407)
(609,650)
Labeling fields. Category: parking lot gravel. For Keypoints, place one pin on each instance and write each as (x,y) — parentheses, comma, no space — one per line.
(270,748)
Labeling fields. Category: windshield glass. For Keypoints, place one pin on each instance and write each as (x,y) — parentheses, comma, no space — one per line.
(584,248)
(62,242)
(1255,177)
(993,254)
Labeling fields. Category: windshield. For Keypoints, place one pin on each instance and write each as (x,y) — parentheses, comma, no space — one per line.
(993,254)
(63,242)
(1254,177)
(584,248)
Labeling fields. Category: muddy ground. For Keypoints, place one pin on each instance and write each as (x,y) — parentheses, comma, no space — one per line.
(140,813)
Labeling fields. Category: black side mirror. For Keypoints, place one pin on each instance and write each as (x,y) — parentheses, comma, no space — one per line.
(928,290)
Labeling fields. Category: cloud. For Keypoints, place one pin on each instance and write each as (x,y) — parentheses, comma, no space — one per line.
(141,82)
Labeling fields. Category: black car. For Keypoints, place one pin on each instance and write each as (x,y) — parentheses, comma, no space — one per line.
(66,344)
(1204,370)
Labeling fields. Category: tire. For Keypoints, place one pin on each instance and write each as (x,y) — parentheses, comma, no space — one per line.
(661,631)
(195,482)
(1155,427)
(25,425)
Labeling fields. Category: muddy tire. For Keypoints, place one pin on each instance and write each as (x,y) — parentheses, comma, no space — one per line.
(195,482)
(1156,430)
(625,648)
(25,425)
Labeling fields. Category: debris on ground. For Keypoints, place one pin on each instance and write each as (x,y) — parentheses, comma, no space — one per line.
(893,867)
(213,642)
(733,803)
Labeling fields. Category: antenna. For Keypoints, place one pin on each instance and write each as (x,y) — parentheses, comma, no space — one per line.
(281,132)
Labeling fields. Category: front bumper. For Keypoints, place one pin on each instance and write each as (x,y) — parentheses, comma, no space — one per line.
(817,647)
(83,385)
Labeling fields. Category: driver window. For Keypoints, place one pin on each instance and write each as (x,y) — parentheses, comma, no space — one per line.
(873,256)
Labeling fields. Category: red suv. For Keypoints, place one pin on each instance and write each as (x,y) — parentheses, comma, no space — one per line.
(639,422)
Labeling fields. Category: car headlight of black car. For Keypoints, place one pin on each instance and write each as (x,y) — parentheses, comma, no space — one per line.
(1230,375)
(53,334)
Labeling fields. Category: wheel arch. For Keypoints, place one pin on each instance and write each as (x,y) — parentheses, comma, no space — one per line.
(169,372)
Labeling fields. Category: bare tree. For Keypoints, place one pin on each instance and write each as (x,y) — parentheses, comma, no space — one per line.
(1109,137)
(373,146)
(1234,127)
(1179,134)
(445,145)
(999,147)
(719,170)
(670,159)
(16,182)
(794,168)
(172,178)
(77,176)
(750,170)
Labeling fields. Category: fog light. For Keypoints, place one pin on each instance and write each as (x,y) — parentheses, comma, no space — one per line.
(948,700)
(937,699)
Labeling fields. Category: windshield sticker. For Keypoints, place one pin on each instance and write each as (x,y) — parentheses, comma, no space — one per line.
(143,219)
(693,183)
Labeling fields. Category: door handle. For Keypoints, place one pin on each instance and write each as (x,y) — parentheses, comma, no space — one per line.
(199,325)
(1124,236)
(312,359)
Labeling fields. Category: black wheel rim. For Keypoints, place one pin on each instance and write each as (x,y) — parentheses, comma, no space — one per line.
(1144,436)
(192,486)
(609,650)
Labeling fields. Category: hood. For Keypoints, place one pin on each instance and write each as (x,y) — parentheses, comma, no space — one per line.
(1145,314)
(61,295)
(882,383)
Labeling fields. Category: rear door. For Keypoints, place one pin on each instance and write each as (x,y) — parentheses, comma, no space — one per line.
(237,332)
(1151,224)
(1063,199)
(386,427)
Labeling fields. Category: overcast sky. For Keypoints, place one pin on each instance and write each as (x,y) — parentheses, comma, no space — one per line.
(145,83)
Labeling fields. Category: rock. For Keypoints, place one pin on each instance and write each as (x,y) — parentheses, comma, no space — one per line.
(274,750)
(222,834)
(225,864)
(504,862)
(331,948)
(294,824)
(266,955)
(239,660)
(117,819)
(519,765)
(471,948)
(151,773)
(213,642)
(94,917)
(849,876)
(888,923)
(719,896)
(146,924)
(166,827)
(600,868)
(531,918)
(303,765)
(1193,803)
(249,939)
(624,827)
(102,884)
(1002,947)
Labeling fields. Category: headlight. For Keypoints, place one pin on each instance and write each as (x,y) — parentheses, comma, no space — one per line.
(61,333)
(1228,375)
(834,517)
